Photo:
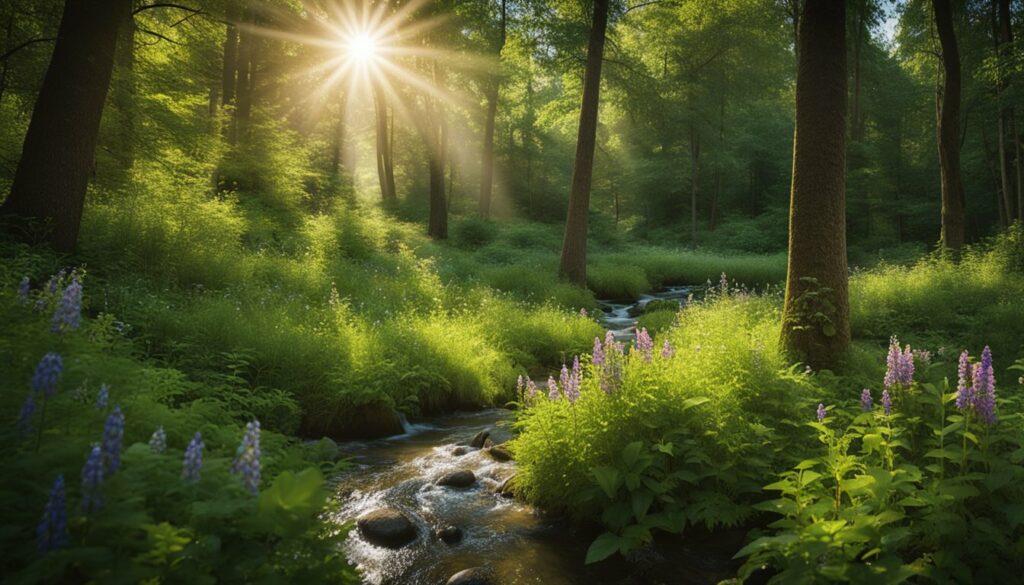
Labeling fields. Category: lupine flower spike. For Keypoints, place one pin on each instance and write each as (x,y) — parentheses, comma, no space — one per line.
(886,402)
(47,374)
(822,413)
(102,397)
(23,288)
(158,442)
(667,351)
(899,365)
(69,311)
(193,463)
(247,458)
(92,479)
(572,384)
(52,532)
(865,400)
(965,383)
(644,344)
(985,388)
(597,358)
(113,437)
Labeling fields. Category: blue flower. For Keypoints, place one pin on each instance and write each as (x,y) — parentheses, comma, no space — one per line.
(102,397)
(47,374)
(113,437)
(158,442)
(985,388)
(23,288)
(865,400)
(52,531)
(247,458)
(92,480)
(552,389)
(69,310)
(193,463)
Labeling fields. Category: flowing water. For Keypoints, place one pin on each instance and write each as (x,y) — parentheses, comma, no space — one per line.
(515,541)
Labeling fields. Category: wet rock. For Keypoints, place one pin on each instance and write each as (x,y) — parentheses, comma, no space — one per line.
(507,489)
(488,443)
(459,451)
(450,534)
(479,439)
(474,576)
(458,479)
(500,453)
(386,527)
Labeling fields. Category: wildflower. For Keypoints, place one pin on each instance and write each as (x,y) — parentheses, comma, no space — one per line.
(572,386)
(247,458)
(102,397)
(552,388)
(52,532)
(886,402)
(23,288)
(25,415)
(645,344)
(69,310)
(865,400)
(666,350)
(519,385)
(723,284)
(47,374)
(822,413)
(53,285)
(923,355)
(113,437)
(92,479)
(899,365)
(158,442)
(965,383)
(531,390)
(597,358)
(193,463)
(985,388)
(583,312)
(610,345)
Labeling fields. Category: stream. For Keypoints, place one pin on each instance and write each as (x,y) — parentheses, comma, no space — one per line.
(515,542)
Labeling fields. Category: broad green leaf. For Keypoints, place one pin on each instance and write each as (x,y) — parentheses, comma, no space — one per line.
(609,480)
(603,547)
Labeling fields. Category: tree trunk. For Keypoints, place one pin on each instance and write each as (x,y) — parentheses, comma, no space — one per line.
(573,263)
(385,161)
(123,93)
(1004,43)
(230,66)
(57,155)
(487,158)
(437,226)
(954,212)
(816,327)
(694,178)
(244,84)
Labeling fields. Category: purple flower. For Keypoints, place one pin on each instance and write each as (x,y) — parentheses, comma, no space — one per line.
(865,400)
(645,344)
(92,480)
(47,374)
(247,458)
(572,385)
(69,311)
(193,463)
(597,358)
(965,383)
(102,397)
(886,402)
(666,350)
(519,385)
(52,531)
(23,288)
(552,389)
(113,437)
(822,413)
(28,408)
(53,285)
(531,390)
(923,355)
(899,365)
(158,442)
(985,388)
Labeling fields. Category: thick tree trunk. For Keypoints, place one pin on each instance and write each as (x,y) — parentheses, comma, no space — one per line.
(954,207)
(816,327)
(57,155)
(573,263)
(385,161)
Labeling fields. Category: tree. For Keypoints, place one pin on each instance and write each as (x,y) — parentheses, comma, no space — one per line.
(385,141)
(487,158)
(1003,33)
(57,155)
(573,263)
(954,207)
(816,324)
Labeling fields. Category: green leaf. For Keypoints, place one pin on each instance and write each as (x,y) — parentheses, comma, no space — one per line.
(631,453)
(695,401)
(603,547)
(609,480)
(641,502)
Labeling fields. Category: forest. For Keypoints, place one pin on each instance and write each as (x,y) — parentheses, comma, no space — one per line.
(501,292)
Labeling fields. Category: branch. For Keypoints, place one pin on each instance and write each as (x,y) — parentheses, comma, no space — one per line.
(6,55)
(159,36)
(642,4)
(167,5)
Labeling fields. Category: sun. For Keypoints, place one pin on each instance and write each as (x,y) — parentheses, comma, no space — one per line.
(361,48)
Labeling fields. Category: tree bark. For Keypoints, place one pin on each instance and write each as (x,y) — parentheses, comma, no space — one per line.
(385,161)
(573,263)
(816,326)
(437,226)
(954,207)
(1004,42)
(487,158)
(244,84)
(57,155)
(230,66)
(123,93)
